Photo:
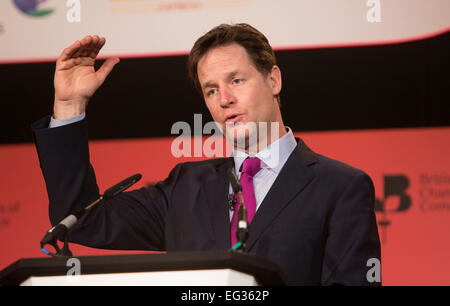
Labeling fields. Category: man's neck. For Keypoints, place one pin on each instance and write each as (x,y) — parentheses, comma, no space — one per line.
(272,134)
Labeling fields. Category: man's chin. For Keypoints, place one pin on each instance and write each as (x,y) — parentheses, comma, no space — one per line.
(242,136)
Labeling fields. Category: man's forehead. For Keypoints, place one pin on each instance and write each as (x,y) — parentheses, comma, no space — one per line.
(222,61)
(218,55)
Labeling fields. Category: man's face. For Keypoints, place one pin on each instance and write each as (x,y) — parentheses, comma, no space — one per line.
(235,92)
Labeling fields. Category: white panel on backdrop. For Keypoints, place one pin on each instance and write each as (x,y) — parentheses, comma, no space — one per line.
(34,30)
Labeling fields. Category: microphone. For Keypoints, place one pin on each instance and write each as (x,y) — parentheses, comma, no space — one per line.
(242,222)
(59,230)
(235,185)
(119,187)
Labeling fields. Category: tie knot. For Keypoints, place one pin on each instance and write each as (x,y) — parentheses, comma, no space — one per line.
(251,166)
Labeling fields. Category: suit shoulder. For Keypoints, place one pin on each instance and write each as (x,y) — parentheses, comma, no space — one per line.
(192,171)
(337,170)
(202,166)
(325,166)
(214,163)
(339,177)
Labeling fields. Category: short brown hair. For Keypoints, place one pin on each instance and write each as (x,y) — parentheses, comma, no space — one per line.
(254,42)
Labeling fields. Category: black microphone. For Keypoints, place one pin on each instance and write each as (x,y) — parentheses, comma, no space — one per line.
(119,187)
(242,222)
(235,185)
(59,230)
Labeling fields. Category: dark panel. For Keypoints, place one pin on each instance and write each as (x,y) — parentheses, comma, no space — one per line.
(392,86)
(368,87)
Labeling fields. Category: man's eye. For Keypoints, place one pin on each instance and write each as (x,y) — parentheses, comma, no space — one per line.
(237,81)
(211,92)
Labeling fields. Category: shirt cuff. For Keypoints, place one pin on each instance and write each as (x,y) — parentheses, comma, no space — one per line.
(56,123)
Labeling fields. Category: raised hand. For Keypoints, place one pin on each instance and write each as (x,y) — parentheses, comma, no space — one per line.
(75,77)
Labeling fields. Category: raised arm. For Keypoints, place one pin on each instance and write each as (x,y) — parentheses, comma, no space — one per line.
(132,220)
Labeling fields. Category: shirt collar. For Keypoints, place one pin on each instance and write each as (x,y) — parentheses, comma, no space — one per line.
(273,157)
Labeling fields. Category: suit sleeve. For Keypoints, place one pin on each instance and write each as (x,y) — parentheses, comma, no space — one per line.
(352,235)
(133,220)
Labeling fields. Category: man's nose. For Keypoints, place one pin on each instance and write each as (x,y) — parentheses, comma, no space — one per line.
(226,97)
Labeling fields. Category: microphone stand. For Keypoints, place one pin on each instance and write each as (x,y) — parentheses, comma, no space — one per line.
(64,252)
(242,223)
(60,231)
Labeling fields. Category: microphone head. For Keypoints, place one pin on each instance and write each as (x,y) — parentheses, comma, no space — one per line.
(235,185)
(119,187)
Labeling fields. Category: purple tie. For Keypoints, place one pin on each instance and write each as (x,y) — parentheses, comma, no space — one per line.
(250,167)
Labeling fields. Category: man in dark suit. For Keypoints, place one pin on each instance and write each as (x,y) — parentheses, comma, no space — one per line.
(311,215)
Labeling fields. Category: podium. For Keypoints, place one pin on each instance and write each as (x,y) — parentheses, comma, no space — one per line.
(218,268)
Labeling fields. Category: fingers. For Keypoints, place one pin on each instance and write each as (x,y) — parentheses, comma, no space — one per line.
(70,51)
(93,48)
(89,46)
(106,68)
(96,48)
(86,44)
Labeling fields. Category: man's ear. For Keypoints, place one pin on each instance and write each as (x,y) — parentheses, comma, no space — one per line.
(274,79)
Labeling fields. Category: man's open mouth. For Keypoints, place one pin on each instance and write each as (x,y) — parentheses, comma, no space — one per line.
(233,118)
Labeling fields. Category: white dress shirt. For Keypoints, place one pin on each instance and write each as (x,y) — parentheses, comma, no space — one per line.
(273,158)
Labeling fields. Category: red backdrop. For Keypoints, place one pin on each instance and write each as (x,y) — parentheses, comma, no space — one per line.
(410,169)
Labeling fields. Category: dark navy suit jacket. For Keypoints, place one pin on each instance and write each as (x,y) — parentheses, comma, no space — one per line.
(317,221)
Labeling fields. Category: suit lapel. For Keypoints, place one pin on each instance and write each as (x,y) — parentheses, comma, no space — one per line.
(291,180)
(216,190)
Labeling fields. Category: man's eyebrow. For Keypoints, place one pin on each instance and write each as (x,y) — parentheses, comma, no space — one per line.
(209,84)
(212,84)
